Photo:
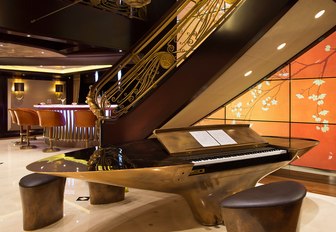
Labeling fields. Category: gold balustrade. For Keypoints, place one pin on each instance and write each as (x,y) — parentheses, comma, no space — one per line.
(159,53)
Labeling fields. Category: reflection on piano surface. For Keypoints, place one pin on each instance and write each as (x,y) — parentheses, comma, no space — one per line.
(204,164)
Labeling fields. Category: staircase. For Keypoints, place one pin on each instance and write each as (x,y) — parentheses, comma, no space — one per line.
(184,53)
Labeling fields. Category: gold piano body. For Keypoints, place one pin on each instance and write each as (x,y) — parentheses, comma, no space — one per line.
(168,163)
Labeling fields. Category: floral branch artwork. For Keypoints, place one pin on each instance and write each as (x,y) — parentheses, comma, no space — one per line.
(266,93)
(319,99)
(316,95)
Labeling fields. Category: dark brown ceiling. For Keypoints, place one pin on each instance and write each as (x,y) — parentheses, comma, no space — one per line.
(79,30)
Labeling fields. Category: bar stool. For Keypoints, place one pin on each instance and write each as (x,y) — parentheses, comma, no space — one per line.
(85,119)
(14,121)
(50,119)
(27,118)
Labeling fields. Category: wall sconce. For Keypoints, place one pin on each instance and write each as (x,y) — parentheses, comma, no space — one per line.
(18,90)
(59,91)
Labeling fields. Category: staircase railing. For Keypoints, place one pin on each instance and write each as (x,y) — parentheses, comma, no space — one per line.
(158,54)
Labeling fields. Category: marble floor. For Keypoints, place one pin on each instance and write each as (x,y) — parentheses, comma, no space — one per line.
(141,211)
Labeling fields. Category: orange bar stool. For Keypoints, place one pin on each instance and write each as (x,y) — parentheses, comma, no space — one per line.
(14,121)
(85,119)
(27,118)
(50,119)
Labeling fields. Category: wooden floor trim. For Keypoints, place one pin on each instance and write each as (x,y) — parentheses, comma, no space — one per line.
(311,186)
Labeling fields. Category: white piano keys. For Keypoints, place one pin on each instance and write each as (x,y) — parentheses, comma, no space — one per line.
(239,157)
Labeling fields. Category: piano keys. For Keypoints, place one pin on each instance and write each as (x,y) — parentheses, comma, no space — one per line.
(228,157)
(203,164)
(238,159)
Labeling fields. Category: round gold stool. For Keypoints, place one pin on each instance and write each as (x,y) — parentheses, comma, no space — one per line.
(272,207)
(42,200)
(105,194)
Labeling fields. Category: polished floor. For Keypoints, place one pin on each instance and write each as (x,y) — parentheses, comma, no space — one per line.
(141,211)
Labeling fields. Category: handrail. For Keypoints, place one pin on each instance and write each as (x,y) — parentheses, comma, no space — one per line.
(150,64)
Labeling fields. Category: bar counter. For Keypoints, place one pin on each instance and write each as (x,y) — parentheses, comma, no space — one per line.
(69,135)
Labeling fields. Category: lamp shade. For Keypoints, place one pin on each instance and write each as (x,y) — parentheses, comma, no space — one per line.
(18,87)
(59,88)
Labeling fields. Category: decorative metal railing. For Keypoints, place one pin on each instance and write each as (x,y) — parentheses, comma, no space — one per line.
(149,62)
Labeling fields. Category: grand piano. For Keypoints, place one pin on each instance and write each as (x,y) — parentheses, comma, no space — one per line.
(203,164)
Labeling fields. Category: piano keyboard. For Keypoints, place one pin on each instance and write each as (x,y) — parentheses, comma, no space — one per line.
(238,156)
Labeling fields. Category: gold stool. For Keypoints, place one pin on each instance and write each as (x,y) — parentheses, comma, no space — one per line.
(104,194)
(85,119)
(272,207)
(50,119)
(42,200)
(28,118)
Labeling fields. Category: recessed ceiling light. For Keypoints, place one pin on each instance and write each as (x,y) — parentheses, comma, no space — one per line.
(248,73)
(319,14)
(281,46)
(28,35)
(42,52)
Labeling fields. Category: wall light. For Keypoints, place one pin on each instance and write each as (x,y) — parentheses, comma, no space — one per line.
(19,90)
(59,91)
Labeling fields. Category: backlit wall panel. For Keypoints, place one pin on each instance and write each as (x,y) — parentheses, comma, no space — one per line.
(297,101)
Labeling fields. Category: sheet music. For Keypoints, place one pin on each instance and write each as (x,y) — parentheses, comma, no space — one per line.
(222,137)
(212,138)
(204,138)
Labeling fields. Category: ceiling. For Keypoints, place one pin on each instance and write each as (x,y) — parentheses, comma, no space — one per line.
(58,36)
(298,28)
(46,61)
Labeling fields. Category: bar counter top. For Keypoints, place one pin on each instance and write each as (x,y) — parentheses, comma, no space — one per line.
(60,106)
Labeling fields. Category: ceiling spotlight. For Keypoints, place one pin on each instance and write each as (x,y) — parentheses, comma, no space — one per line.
(319,14)
(248,73)
(281,46)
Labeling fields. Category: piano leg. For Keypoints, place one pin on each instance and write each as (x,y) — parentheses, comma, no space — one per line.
(204,193)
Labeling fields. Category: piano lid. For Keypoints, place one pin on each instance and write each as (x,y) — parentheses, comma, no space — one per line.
(195,139)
